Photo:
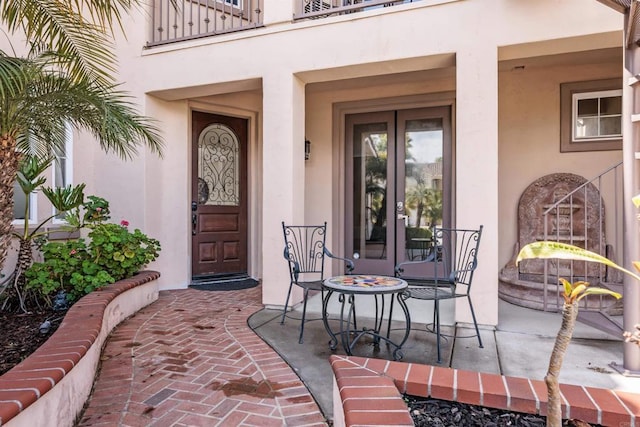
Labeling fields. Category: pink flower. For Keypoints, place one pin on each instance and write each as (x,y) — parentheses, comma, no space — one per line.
(98,209)
(73,252)
(124,223)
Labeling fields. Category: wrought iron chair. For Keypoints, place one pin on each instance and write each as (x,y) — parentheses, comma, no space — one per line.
(447,273)
(305,252)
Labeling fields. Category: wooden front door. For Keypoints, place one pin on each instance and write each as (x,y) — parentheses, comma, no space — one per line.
(219,195)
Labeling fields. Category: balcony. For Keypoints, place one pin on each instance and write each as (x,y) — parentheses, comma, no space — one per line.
(305,9)
(178,20)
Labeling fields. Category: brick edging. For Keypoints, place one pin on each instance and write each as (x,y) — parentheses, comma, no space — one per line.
(80,329)
(364,388)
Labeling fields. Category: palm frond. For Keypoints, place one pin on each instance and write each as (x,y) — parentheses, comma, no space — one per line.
(66,198)
(84,44)
(41,100)
(557,250)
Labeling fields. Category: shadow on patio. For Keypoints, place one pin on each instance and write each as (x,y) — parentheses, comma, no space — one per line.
(520,346)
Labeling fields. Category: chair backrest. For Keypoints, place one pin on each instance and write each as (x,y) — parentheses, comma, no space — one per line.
(456,253)
(450,261)
(304,247)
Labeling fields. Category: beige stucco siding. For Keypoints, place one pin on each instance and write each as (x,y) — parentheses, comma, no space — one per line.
(529,105)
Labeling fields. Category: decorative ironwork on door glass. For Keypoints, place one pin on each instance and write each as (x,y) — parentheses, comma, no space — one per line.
(218,166)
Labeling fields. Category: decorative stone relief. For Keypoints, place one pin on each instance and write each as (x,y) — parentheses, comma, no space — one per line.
(577,220)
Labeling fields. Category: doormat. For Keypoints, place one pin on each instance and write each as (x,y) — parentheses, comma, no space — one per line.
(225,285)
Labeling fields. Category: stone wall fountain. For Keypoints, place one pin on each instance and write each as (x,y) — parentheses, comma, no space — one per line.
(575,218)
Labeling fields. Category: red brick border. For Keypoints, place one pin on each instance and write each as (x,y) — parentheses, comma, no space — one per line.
(365,387)
(36,375)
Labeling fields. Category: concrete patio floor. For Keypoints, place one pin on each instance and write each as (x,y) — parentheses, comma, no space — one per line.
(520,346)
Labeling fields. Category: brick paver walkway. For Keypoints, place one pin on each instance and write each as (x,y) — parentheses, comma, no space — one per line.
(189,359)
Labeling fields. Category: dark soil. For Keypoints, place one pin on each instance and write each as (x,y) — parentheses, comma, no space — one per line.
(21,335)
(443,413)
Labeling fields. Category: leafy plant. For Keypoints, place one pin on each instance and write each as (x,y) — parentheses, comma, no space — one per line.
(39,103)
(96,210)
(572,294)
(78,268)
(30,178)
(121,252)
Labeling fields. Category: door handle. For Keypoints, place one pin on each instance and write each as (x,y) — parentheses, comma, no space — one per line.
(405,218)
(194,218)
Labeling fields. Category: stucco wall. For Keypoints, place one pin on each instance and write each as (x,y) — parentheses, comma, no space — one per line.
(529,129)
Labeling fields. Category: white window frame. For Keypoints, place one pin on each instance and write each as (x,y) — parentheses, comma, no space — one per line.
(569,94)
(68,160)
(594,95)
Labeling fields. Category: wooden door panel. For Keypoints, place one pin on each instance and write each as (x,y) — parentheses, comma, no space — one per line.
(207,252)
(218,223)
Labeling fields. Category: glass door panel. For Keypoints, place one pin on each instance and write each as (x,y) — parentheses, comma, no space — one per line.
(370,184)
(423,167)
(370,190)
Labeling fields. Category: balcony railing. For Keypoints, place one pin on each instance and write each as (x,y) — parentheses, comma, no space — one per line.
(177,20)
(305,9)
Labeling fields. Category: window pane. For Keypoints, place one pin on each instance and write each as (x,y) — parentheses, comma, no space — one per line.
(370,190)
(611,105)
(588,107)
(60,169)
(218,166)
(610,126)
(19,202)
(587,127)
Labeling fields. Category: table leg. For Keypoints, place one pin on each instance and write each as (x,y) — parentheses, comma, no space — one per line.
(402,297)
(333,343)
(346,335)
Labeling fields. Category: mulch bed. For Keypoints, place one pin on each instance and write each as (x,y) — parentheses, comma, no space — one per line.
(443,413)
(21,335)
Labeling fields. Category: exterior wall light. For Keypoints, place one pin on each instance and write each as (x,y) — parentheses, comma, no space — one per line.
(307,149)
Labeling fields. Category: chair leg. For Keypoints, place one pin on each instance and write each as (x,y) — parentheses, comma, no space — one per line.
(390,314)
(355,322)
(304,314)
(286,303)
(475,323)
(437,321)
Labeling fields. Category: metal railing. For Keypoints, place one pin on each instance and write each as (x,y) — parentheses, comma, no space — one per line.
(578,218)
(178,20)
(305,9)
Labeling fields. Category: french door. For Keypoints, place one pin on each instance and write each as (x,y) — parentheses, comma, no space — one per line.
(398,185)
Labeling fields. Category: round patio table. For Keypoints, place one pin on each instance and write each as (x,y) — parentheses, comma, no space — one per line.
(347,287)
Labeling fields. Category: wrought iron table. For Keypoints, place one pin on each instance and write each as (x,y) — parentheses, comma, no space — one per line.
(347,287)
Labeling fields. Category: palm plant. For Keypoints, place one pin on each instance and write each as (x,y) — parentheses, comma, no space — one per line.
(37,100)
(79,30)
(572,294)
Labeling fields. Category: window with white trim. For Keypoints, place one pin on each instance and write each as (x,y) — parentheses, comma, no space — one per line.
(63,168)
(591,115)
(597,115)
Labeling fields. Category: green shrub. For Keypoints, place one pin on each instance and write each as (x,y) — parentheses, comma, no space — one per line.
(78,268)
(121,252)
